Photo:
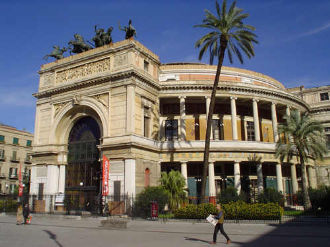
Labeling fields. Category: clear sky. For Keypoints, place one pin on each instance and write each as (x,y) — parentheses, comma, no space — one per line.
(293,36)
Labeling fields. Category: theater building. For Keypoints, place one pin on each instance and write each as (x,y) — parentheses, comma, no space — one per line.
(146,117)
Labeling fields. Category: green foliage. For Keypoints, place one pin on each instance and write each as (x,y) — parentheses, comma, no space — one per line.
(258,211)
(174,183)
(304,139)
(192,211)
(230,195)
(271,195)
(320,198)
(142,205)
(8,205)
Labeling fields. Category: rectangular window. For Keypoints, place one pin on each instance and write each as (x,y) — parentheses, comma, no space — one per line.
(217,129)
(328,141)
(171,129)
(327,129)
(2,154)
(12,188)
(146,66)
(146,122)
(28,143)
(324,96)
(250,131)
(12,172)
(2,138)
(15,141)
(14,156)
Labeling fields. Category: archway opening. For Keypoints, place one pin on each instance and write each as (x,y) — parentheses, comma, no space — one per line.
(83,172)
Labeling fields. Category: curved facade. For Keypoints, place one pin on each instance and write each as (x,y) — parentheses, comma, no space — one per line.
(152,118)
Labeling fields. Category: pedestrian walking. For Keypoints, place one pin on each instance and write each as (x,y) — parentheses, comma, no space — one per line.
(26,212)
(219,226)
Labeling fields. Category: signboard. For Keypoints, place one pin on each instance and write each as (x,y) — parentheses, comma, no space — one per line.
(105,176)
(20,186)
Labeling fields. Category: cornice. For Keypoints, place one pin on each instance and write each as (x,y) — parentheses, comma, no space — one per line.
(97,81)
(232,89)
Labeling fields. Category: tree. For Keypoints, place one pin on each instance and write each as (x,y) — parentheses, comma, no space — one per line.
(174,183)
(227,31)
(304,139)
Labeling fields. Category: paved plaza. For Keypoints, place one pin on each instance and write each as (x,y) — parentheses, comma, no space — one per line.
(58,231)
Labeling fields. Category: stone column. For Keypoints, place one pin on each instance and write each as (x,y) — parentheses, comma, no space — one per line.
(182,118)
(237,176)
(208,101)
(212,196)
(61,180)
(294,179)
(233,117)
(129,177)
(279,177)
(130,110)
(256,120)
(52,180)
(314,186)
(184,172)
(287,110)
(260,178)
(307,178)
(311,178)
(274,122)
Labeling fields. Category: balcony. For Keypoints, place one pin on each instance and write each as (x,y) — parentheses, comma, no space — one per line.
(2,158)
(2,175)
(27,161)
(13,176)
(14,159)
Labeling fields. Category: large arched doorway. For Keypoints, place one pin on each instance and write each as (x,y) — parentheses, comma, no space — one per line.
(83,172)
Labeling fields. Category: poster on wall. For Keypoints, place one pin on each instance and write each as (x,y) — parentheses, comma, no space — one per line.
(105,176)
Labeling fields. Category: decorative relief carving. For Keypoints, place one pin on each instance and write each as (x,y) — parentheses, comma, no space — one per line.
(76,100)
(103,99)
(58,107)
(120,60)
(46,79)
(83,70)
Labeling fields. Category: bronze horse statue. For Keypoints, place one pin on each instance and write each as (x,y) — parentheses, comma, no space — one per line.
(56,53)
(78,45)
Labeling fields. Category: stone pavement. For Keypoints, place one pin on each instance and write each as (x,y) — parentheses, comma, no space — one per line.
(58,231)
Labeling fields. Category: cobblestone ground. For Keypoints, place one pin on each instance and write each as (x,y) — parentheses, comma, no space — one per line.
(52,231)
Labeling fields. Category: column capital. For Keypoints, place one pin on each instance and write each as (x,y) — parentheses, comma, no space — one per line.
(183,162)
(233,97)
(255,100)
(274,103)
(207,97)
(182,97)
(237,161)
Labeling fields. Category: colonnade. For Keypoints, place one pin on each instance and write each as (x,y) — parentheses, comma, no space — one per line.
(234,117)
(237,177)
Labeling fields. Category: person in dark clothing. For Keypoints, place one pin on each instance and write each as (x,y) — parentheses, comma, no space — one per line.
(219,226)
(26,212)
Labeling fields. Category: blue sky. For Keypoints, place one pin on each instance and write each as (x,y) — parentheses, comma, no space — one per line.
(293,36)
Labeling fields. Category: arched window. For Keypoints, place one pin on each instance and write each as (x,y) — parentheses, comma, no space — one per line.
(146,177)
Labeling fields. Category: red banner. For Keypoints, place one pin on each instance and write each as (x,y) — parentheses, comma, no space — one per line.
(105,176)
(20,185)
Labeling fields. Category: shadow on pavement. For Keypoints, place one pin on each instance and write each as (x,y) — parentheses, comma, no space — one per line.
(197,239)
(53,237)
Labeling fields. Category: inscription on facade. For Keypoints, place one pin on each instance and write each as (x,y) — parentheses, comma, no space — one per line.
(83,70)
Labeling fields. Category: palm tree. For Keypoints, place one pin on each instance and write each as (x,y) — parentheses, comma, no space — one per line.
(304,139)
(227,31)
(174,183)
